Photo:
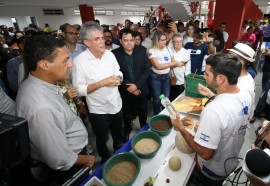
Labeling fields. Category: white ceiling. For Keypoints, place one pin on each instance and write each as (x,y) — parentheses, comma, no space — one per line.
(263,5)
(172,6)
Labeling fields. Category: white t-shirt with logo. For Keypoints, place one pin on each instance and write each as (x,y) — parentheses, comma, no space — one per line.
(223,125)
(247,83)
(163,57)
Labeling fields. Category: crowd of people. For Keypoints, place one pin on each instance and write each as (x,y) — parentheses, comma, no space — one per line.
(108,73)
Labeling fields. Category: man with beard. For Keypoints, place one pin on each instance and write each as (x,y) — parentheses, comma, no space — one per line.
(70,37)
(108,40)
(223,122)
(200,47)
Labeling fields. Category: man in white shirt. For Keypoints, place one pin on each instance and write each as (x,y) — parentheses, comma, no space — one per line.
(97,75)
(223,122)
(245,80)
(180,54)
(181,28)
(146,42)
(222,28)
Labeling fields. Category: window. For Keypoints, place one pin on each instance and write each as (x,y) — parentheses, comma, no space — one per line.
(53,11)
(97,12)
(76,12)
(14,20)
(132,13)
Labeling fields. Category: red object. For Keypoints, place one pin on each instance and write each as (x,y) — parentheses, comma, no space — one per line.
(253,12)
(251,38)
(237,11)
(87,13)
(159,13)
(194,7)
(209,22)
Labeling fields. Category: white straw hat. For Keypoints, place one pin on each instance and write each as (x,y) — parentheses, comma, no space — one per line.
(244,51)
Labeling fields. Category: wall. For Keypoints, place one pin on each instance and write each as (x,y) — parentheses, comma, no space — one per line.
(253,12)
(23,17)
(241,10)
(117,18)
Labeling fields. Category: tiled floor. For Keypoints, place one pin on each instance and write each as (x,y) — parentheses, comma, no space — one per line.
(250,135)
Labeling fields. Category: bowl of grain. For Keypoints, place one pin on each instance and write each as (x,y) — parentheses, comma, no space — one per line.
(121,169)
(146,144)
(160,124)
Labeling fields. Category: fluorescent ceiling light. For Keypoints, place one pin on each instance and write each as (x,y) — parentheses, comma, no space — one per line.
(98,8)
(130,5)
(180,1)
(269,2)
(152,5)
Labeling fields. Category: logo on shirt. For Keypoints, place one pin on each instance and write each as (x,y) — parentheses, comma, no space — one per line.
(150,54)
(244,111)
(166,58)
(204,137)
(197,52)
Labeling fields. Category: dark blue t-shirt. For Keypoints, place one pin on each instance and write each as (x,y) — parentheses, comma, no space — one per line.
(197,54)
(116,41)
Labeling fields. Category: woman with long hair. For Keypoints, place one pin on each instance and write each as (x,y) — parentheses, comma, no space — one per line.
(161,60)
(188,37)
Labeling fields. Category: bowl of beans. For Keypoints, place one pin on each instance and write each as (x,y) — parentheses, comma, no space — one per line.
(160,124)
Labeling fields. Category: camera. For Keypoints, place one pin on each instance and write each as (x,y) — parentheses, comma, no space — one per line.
(261,132)
(198,36)
(166,22)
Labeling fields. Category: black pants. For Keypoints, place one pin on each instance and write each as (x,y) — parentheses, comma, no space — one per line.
(197,178)
(101,123)
(60,177)
(131,103)
(175,91)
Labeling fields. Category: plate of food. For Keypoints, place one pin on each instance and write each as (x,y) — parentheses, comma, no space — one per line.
(190,105)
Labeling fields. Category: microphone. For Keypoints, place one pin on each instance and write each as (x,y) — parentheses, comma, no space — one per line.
(258,162)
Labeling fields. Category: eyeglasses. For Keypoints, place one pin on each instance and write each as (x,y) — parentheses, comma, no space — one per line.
(72,33)
(177,42)
(98,39)
(2,38)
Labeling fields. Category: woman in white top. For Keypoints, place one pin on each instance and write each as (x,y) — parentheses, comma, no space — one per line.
(182,55)
(161,60)
(188,37)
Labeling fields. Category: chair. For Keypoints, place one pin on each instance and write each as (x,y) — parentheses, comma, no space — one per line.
(255,181)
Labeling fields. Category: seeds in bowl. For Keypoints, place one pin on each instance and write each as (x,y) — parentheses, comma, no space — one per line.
(146,146)
(161,125)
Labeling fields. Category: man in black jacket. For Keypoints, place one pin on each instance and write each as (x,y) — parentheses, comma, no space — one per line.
(135,67)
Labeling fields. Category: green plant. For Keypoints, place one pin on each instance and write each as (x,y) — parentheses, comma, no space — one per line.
(151,180)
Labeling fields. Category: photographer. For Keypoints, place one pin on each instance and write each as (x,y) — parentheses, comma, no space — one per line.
(169,28)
